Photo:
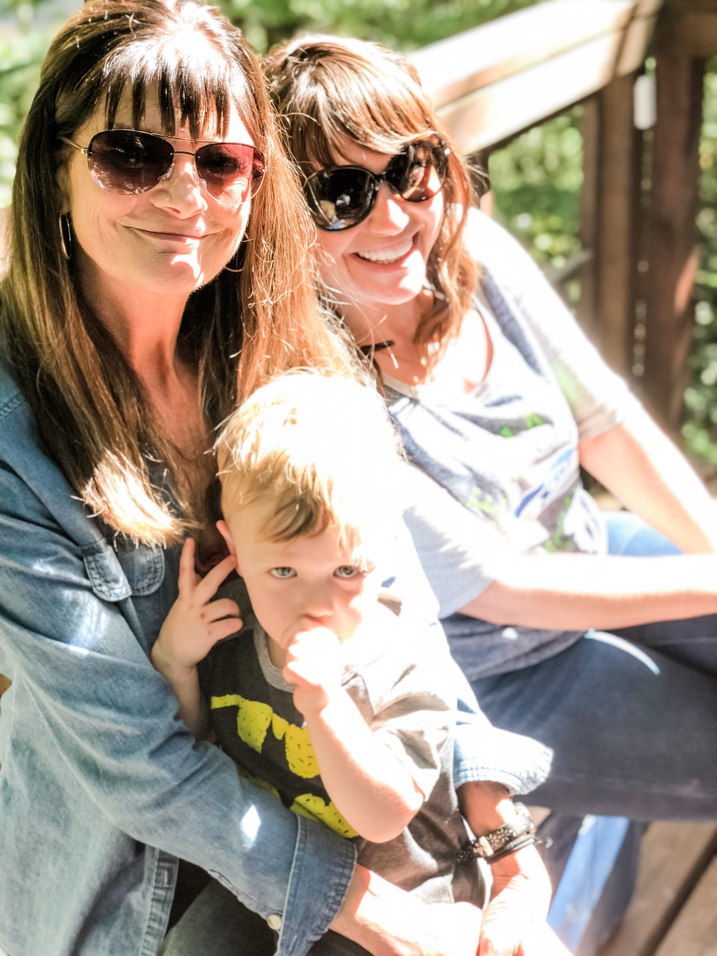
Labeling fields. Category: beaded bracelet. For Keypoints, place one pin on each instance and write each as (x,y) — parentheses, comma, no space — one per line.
(469,851)
(529,839)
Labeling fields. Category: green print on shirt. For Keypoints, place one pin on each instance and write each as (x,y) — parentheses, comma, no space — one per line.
(531,421)
(254,718)
(559,541)
(480,500)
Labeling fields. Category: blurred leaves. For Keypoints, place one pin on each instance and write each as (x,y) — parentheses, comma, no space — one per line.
(404,24)
(536,182)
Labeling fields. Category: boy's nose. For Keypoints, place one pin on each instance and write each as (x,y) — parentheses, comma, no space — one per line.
(318,602)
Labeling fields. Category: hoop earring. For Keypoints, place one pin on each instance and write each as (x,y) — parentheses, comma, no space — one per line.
(234,259)
(66,237)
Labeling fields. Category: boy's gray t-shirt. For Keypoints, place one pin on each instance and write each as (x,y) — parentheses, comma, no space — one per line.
(499,467)
(401,680)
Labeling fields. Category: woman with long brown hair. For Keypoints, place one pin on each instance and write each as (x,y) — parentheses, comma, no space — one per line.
(158,273)
(596,636)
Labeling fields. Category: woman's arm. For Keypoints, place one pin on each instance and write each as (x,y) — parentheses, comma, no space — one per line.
(474,570)
(109,735)
(576,592)
(513,924)
(648,475)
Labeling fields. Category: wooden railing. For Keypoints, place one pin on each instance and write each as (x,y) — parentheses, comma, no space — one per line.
(639,192)
(495,81)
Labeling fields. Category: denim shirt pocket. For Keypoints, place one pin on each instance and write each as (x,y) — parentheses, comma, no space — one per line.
(134,578)
(123,571)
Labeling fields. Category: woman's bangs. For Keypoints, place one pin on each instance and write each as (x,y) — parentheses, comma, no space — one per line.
(368,115)
(197,92)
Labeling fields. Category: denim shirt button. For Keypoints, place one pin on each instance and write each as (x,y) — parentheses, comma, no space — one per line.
(274,922)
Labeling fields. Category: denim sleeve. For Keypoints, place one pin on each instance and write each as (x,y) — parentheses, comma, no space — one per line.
(103,723)
(483,752)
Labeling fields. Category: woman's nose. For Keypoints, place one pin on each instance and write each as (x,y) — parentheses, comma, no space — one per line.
(182,190)
(389,213)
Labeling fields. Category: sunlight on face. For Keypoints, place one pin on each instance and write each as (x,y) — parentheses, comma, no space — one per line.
(309,581)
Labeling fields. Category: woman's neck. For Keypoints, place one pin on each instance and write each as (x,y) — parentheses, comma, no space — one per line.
(372,325)
(390,331)
(144,323)
(145,327)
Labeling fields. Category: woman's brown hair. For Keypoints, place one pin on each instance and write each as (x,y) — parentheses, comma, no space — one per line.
(332,90)
(237,331)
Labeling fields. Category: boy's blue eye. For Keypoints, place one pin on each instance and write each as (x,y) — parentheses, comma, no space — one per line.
(283,572)
(346,571)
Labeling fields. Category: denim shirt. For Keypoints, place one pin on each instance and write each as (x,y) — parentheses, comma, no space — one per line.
(102,788)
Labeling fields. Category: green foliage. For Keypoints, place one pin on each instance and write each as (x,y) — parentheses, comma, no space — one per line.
(536,182)
(20,58)
(405,24)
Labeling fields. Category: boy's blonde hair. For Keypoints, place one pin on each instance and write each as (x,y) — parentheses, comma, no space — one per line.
(314,450)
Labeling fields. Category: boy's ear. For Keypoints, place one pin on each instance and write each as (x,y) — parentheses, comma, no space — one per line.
(224,531)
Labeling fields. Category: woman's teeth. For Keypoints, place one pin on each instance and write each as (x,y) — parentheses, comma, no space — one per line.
(387,255)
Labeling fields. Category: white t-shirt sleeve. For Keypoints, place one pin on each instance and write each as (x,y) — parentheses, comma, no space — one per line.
(598,397)
(455,545)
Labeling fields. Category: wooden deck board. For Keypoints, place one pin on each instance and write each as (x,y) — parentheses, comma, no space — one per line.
(674,862)
(694,932)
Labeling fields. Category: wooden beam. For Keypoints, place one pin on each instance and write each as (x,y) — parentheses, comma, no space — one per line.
(672,256)
(493,82)
(688,29)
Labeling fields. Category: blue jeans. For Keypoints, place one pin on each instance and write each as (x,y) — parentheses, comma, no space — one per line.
(631,716)
(219,924)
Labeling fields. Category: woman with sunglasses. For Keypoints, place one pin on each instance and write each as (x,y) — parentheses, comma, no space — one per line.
(499,399)
(157,275)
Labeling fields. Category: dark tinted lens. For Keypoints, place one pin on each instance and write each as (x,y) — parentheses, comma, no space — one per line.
(418,171)
(127,161)
(229,169)
(340,197)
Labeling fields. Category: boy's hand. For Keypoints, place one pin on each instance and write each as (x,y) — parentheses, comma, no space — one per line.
(313,664)
(195,623)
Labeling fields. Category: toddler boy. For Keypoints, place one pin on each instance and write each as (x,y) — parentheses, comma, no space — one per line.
(327,695)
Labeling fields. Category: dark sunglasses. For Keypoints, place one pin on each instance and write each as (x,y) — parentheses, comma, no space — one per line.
(340,197)
(131,161)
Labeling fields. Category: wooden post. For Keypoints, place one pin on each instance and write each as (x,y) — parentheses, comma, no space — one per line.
(611,201)
(671,237)
(587,311)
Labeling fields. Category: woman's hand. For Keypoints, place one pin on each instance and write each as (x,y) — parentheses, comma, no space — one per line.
(191,629)
(390,922)
(514,920)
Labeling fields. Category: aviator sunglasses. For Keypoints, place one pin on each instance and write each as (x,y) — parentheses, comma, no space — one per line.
(131,161)
(341,197)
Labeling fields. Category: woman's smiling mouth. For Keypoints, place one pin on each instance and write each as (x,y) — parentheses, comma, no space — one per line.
(386,256)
